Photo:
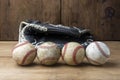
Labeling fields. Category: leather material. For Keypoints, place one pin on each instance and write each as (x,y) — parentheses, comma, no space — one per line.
(36,33)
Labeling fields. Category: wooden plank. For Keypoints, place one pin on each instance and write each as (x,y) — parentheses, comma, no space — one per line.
(108,19)
(101,16)
(6,48)
(12,12)
(9,70)
(4,24)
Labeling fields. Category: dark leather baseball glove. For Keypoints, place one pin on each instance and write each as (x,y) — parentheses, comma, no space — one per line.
(36,33)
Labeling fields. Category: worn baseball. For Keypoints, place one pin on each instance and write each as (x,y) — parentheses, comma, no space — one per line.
(48,53)
(97,53)
(73,53)
(24,53)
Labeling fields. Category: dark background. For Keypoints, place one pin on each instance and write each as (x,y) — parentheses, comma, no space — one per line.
(101,16)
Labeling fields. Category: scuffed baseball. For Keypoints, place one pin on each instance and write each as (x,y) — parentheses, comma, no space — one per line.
(97,53)
(73,53)
(24,53)
(48,53)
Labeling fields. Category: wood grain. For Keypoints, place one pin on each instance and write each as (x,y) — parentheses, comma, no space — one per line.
(12,12)
(101,16)
(9,70)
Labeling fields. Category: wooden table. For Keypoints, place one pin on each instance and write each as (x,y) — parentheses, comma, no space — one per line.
(9,70)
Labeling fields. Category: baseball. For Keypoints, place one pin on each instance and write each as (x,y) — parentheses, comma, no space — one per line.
(73,53)
(48,53)
(24,53)
(97,53)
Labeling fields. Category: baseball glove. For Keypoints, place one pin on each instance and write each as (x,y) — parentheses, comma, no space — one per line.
(36,33)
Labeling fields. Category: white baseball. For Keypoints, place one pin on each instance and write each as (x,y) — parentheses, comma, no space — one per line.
(73,53)
(97,53)
(24,53)
(48,53)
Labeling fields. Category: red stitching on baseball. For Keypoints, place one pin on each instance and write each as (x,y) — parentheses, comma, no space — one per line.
(20,45)
(101,50)
(93,61)
(26,56)
(47,46)
(65,47)
(48,58)
(75,52)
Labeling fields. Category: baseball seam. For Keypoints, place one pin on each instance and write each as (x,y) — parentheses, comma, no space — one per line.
(74,54)
(64,50)
(27,55)
(89,59)
(20,45)
(101,50)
